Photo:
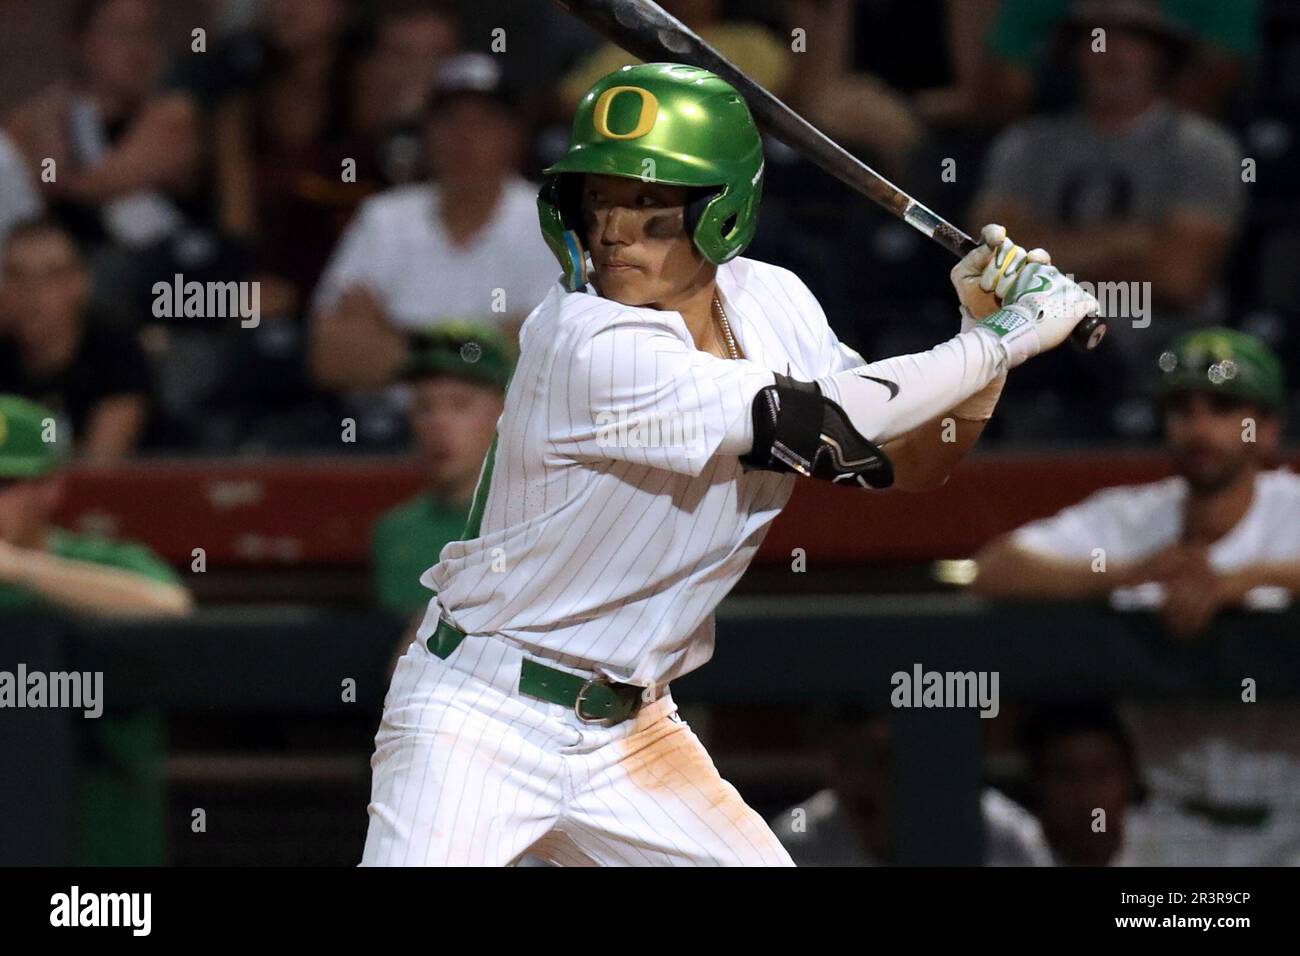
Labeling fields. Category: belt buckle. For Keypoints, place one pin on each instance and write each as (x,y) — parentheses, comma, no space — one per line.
(582,695)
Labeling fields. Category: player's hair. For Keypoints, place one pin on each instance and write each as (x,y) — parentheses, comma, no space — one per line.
(1051,723)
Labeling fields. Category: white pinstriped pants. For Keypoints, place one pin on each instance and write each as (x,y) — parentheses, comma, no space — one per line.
(469,772)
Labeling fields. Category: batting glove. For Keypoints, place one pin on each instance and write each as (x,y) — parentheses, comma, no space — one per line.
(984,273)
(1040,309)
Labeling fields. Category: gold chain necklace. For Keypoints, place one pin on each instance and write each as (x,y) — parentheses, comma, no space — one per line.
(721,314)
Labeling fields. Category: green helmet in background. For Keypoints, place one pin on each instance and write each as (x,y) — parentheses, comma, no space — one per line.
(29,442)
(665,123)
(1224,362)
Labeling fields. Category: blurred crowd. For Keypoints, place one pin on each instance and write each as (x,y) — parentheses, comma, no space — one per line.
(226,226)
(1079,783)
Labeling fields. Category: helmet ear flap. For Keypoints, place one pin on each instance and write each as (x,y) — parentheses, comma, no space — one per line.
(695,207)
(560,210)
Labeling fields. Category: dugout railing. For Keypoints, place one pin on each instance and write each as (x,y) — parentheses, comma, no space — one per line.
(231,671)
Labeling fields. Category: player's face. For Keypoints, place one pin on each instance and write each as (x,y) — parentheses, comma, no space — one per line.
(472,138)
(453,422)
(26,507)
(122,48)
(1126,74)
(638,243)
(1081,774)
(864,782)
(1212,438)
(46,285)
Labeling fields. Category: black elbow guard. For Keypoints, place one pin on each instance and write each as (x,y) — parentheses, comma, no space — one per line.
(797,429)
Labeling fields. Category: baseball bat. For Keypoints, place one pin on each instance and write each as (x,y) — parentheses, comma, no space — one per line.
(647,31)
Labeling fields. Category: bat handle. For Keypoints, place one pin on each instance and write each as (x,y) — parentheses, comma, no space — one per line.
(1087,335)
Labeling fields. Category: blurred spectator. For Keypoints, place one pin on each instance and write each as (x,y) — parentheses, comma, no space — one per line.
(958,99)
(1127,191)
(459,378)
(913,117)
(1221,534)
(467,247)
(1222,778)
(877,103)
(19,200)
(412,39)
(750,46)
(1084,778)
(1226,35)
(290,163)
(121,154)
(44,565)
(285,194)
(56,348)
(554,42)
(851,822)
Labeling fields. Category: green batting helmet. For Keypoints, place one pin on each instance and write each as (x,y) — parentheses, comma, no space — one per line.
(664,123)
(1226,362)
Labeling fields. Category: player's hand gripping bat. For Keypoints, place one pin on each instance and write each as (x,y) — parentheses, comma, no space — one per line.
(648,31)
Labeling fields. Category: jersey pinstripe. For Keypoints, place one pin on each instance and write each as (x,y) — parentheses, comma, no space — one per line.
(614,516)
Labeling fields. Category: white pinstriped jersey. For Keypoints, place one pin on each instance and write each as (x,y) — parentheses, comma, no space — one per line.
(616,516)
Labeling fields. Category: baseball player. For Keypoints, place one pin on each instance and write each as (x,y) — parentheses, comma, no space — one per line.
(1219,533)
(668,392)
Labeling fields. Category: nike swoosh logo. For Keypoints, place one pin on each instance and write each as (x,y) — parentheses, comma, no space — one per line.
(1043,283)
(892,386)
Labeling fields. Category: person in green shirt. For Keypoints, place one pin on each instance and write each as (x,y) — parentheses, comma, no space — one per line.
(458,374)
(119,795)
(43,565)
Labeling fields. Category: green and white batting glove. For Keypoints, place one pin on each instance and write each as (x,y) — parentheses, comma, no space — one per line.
(1039,310)
(984,274)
